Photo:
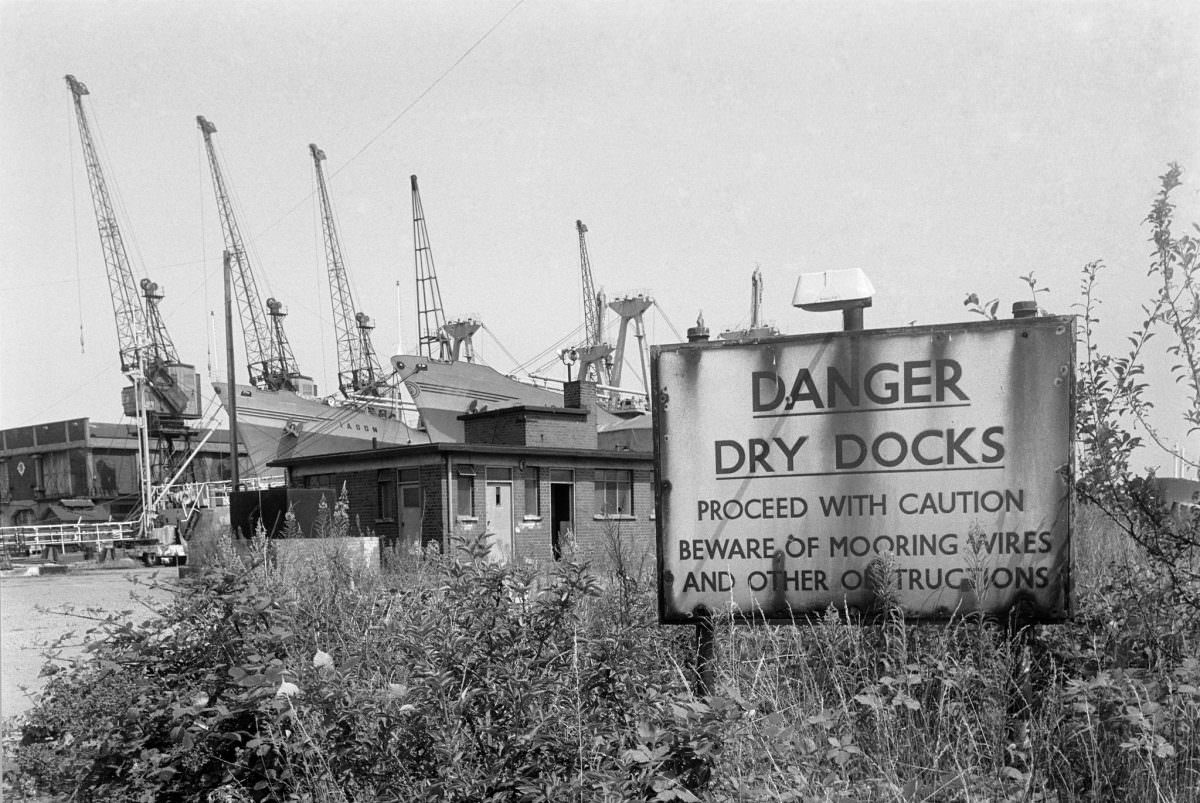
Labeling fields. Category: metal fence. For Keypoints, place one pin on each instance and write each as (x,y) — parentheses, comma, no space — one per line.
(34,538)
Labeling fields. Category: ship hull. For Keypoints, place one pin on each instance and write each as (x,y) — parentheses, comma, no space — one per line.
(277,424)
(442,391)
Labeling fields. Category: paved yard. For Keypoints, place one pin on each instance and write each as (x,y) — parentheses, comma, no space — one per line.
(29,619)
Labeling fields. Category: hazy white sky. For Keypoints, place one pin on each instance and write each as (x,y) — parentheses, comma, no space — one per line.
(943,147)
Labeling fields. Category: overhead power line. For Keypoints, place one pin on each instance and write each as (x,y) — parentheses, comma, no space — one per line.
(401,114)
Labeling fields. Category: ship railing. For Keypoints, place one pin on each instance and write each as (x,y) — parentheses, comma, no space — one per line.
(192,495)
(382,406)
(36,537)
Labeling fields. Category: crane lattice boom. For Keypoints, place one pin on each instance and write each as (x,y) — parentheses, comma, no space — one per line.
(269,359)
(358,368)
(591,318)
(594,353)
(132,332)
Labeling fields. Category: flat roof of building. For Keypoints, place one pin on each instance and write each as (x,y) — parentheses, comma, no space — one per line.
(418,449)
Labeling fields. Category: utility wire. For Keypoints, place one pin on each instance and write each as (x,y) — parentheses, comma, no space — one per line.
(402,113)
(430,88)
(507,353)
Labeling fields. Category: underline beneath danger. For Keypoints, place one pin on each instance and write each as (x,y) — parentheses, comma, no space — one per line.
(864,410)
(865,471)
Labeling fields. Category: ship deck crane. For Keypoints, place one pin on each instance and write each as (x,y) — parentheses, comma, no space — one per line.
(269,359)
(594,353)
(631,308)
(144,345)
(438,339)
(358,367)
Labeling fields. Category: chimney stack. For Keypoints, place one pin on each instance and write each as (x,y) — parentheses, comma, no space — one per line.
(579,395)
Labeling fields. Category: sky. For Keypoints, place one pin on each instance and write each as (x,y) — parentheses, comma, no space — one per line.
(944,148)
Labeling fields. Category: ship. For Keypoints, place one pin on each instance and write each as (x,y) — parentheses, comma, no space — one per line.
(443,390)
(274,424)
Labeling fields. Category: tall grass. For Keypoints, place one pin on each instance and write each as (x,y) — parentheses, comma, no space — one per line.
(451,678)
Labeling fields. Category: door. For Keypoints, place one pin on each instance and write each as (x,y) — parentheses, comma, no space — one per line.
(562,514)
(410,517)
(499,522)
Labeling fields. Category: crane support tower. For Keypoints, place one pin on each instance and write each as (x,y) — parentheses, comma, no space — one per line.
(594,353)
(358,367)
(144,345)
(269,358)
(631,308)
(460,334)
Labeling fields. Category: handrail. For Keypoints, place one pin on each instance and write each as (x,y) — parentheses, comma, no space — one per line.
(36,535)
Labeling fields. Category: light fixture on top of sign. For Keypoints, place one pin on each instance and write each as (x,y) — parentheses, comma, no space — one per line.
(828,290)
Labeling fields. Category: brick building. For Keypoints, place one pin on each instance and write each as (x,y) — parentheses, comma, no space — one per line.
(530,477)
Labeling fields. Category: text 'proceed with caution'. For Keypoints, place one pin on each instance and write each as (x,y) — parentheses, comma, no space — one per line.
(922,468)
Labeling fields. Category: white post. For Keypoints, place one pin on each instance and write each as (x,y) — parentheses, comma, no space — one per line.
(139,386)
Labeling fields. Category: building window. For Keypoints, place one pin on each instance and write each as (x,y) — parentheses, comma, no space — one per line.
(385,483)
(533,499)
(466,501)
(319,481)
(614,492)
(464,498)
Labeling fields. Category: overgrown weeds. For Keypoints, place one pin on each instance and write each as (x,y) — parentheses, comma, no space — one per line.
(460,679)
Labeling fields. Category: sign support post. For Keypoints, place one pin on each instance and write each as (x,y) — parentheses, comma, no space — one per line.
(706,652)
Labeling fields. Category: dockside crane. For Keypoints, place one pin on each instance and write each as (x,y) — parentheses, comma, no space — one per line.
(594,353)
(269,358)
(437,338)
(147,352)
(358,367)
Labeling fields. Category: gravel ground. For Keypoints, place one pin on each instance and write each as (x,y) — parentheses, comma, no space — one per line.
(31,617)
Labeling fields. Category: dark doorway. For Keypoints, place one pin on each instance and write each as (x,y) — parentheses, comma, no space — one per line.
(562,516)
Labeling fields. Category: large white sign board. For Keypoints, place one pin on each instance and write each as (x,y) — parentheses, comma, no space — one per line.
(922,467)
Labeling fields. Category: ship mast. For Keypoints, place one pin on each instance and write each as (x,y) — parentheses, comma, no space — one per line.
(431,340)
(438,339)
(756,298)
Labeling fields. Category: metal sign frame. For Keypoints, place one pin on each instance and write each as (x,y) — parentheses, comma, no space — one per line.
(923,468)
